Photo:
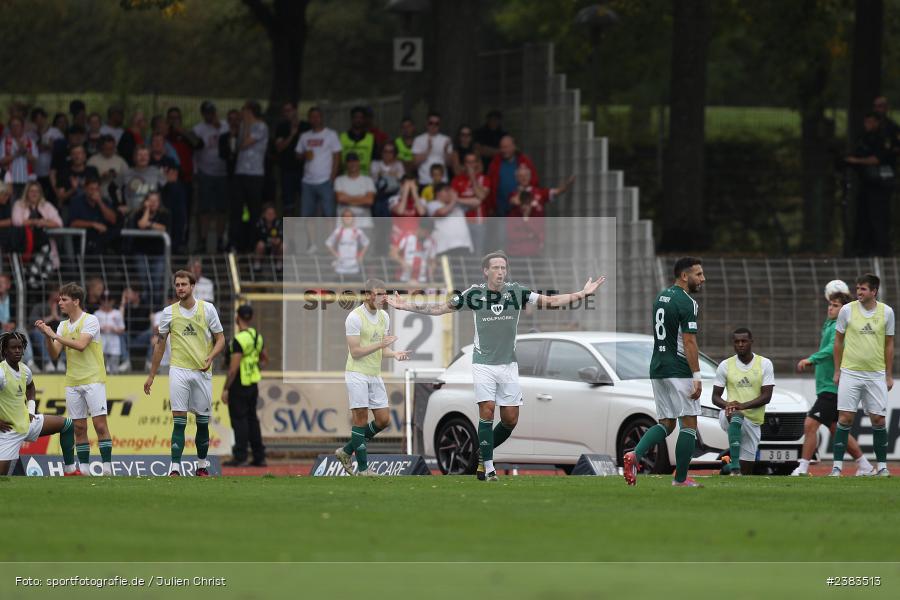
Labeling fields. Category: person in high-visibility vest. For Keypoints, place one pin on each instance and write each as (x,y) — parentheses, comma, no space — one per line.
(863,369)
(367,328)
(197,339)
(19,421)
(85,373)
(241,392)
(748,380)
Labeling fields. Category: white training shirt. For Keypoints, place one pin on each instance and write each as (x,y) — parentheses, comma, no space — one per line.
(353,323)
(23,366)
(212,318)
(768,371)
(439,144)
(844,319)
(91,325)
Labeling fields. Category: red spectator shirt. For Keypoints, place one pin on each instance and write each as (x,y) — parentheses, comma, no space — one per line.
(525,235)
(405,219)
(464,189)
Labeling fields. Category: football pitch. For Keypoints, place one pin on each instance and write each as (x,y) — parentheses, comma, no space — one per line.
(443,537)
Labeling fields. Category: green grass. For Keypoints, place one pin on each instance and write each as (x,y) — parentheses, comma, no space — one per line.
(459,520)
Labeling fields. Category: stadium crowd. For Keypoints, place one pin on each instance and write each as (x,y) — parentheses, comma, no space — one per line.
(225,183)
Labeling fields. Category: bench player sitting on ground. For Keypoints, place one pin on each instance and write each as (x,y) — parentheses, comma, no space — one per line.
(366,328)
(863,368)
(79,337)
(749,380)
(194,325)
(824,411)
(674,373)
(497,306)
(18,421)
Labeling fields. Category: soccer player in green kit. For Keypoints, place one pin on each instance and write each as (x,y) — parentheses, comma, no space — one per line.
(674,372)
(496,306)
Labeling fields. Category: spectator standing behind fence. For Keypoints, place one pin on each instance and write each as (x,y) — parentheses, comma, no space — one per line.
(525,222)
(185,142)
(46,135)
(404,143)
(137,316)
(287,136)
(112,327)
(109,165)
(269,237)
(138,181)
(115,117)
(472,184)
(348,244)
(502,174)
(406,208)
(93,294)
(48,312)
(387,174)
(356,192)
(61,157)
(149,253)
(381,137)
(211,177)
(37,215)
(6,308)
(133,137)
(875,161)
(204,289)
(249,174)
(92,140)
(451,234)
(175,200)
(462,145)
(72,177)
(358,140)
(8,236)
(159,151)
(321,150)
(89,211)
(431,147)
(18,156)
(487,137)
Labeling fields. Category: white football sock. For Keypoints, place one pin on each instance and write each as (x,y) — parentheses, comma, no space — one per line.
(488,466)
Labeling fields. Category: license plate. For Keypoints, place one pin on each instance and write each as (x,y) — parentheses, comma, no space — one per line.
(777,455)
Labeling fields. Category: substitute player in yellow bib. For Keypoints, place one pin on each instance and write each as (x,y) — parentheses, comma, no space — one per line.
(863,368)
(85,373)
(18,421)
(748,380)
(367,343)
(197,339)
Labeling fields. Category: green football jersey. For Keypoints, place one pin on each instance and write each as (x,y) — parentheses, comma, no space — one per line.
(674,313)
(496,316)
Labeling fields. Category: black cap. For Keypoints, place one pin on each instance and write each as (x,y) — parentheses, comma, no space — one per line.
(168,162)
(207,107)
(245,312)
(352,156)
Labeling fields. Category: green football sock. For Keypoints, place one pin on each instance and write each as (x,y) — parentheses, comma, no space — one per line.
(734,441)
(67,442)
(501,433)
(358,439)
(105,450)
(880,441)
(84,454)
(178,425)
(372,430)
(202,437)
(684,450)
(486,439)
(841,435)
(651,437)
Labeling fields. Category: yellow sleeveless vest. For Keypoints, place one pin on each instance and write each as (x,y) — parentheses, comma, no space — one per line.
(12,400)
(369,333)
(190,338)
(744,386)
(864,340)
(87,366)
(251,345)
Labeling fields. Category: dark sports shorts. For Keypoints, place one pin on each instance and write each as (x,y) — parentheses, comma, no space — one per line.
(825,409)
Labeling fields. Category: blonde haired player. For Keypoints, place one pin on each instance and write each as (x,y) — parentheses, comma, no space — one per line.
(85,373)
(197,339)
(368,342)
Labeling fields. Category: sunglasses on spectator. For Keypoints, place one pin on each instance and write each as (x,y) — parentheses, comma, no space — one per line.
(434,122)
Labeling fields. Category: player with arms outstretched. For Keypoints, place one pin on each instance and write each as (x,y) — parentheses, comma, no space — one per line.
(674,373)
(197,339)
(18,421)
(496,306)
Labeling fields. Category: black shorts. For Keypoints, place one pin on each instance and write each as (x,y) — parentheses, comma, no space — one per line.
(825,409)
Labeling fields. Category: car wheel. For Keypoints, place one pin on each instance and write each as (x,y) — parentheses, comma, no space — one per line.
(656,460)
(456,447)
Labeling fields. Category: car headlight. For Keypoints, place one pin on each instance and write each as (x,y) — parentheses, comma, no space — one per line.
(709,411)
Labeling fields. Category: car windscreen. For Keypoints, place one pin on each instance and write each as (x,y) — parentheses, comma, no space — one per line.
(631,360)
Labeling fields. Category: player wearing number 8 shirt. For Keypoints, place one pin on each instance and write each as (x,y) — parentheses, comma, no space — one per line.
(674,373)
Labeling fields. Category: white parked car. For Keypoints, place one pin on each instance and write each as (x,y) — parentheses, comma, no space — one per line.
(589,393)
